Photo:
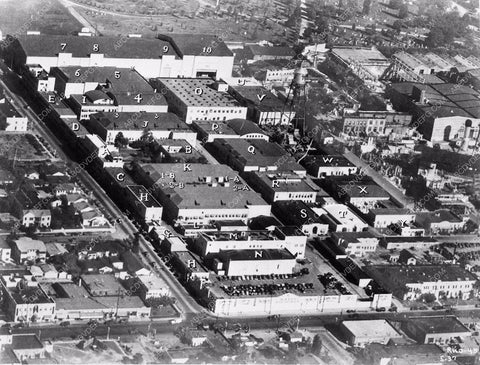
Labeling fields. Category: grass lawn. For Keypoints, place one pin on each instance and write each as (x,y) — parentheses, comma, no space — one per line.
(164,311)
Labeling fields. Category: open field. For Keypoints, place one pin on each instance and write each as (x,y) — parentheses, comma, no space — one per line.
(46,16)
(118,19)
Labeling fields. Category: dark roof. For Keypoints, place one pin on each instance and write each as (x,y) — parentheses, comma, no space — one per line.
(441,324)
(138,190)
(132,262)
(135,121)
(129,81)
(364,191)
(397,276)
(94,95)
(326,160)
(405,354)
(26,342)
(259,96)
(244,255)
(402,239)
(266,153)
(198,45)
(7,110)
(48,45)
(451,99)
(292,212)
(353,236)
(390,211)
(30,295)
(262,222)
(271,51)
(440,215)
(243,126)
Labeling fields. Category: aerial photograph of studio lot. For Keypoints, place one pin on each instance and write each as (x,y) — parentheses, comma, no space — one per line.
(239,182)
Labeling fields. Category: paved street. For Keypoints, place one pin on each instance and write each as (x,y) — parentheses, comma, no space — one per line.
(283,322)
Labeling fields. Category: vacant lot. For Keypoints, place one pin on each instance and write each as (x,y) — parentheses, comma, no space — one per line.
(46,16)
(21,147)
(68,353)
(240,23)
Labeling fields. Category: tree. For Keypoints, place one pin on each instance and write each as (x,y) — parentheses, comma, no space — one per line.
(120,140)
(397,25)
(403,11)
(160,302)
(427,298)
(395,4)
(316,345)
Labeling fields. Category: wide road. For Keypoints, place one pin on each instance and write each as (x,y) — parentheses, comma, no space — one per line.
(15,89)
(281,323)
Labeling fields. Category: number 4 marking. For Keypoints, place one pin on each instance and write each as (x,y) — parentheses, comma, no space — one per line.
(138,98)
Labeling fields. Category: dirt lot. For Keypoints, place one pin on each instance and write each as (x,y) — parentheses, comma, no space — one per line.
(46,16)
(68,353)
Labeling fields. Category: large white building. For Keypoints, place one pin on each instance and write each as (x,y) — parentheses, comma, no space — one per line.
(13,121)
(341,218)
(199,99)
(280,238)
(181,55)
(27,249)
(277,186)
(25,300)
(358,243)
(443,113)
(382,217)
(409,282)
(360,333)
(153,286)
(194,193)
(235,263)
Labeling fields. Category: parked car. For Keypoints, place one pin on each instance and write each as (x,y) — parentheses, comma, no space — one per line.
(381,309)
(65,324)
